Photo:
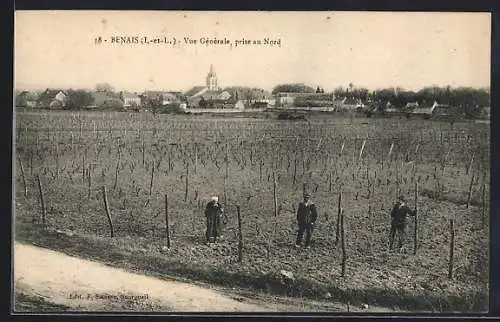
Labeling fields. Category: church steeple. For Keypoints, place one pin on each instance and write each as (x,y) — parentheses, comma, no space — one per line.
(212,79)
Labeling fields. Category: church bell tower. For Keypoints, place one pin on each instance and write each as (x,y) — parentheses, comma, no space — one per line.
(212,79)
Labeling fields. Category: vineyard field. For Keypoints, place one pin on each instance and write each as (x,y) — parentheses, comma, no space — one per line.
(141,159)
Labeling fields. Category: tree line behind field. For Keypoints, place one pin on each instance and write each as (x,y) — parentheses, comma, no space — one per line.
(466,99)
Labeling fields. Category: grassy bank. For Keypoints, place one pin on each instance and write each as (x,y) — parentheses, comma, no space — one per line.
(32,303)
(139,255)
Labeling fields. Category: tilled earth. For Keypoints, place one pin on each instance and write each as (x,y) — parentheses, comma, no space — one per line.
(373,274)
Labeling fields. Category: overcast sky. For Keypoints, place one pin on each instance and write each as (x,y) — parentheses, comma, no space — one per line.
(329,49)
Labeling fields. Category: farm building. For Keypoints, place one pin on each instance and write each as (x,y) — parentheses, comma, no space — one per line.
(441,110)
(410,106)
(163,98)
(53,98)
(251,98)
(211,98)
(444,110)
(348,104)
(425,111)
(390,109)
(262,97)
(316,100)
(26,99)
(284,99)
(271,101)
(130,99)
(104,99)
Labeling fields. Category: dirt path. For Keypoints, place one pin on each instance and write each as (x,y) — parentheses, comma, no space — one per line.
(47,280)
(90,286)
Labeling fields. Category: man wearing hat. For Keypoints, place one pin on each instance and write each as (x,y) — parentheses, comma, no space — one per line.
(306,218)
(398,220)
(213,212)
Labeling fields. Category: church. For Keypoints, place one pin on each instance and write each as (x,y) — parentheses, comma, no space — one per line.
(211,95)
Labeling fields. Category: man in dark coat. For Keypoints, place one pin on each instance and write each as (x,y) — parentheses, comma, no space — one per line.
(306,218)
(213,212)
(398,221)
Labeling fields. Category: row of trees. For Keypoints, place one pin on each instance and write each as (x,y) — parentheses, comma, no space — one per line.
(79,98)
(460,97)
(465,98)
(293,88)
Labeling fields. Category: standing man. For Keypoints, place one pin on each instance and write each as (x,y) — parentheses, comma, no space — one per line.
(398,221)
(306,218)
(213,212)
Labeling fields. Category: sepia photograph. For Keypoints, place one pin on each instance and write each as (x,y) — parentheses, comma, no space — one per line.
(251,162)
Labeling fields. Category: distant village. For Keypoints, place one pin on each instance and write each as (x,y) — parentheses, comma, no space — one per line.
(427,103)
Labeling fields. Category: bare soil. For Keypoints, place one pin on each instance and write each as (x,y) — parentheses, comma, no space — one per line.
(187,159)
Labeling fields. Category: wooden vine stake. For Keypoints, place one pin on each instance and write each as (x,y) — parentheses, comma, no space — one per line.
(152,178)
(106,207)
(143,152)
(225,190)
(25,186)
(240,236)
(187,183)
(295,170)
(275,197)
(166,221)
(42,202)
(469,195)
(195,158)
(275,211)
(342,148)
(117,169)
(372,227)
(344,254)
(89,182)
(415,232)
(362,149)
(390,151)
(31,162)
(452,246)
(80,125)
(339,214)
(470,164)
(57,160)
(83,167)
